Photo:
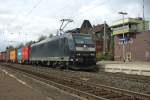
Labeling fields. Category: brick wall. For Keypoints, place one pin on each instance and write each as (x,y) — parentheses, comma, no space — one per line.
(138,47)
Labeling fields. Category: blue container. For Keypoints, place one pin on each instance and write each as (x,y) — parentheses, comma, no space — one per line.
(19,55)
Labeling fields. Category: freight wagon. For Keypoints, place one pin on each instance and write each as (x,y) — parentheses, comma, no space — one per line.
(19,55)
(13,55)
(74,51)
(25,54)
(3,56)
(7,55)
(0,56)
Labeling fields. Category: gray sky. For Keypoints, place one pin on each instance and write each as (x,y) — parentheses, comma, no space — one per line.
(18,17)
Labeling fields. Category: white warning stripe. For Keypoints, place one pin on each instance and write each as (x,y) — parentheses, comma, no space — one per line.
(22,82)
(38,81)
(11,75)
(41,82)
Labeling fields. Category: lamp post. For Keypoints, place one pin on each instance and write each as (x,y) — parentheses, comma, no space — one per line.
(123,45)
(104,38)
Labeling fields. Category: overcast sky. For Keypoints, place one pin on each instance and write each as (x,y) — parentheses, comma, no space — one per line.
(24,20)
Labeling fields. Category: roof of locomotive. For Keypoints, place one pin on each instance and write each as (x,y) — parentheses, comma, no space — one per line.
(49,39)
(57,37)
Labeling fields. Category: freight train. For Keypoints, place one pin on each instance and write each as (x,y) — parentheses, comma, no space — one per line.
(74,51)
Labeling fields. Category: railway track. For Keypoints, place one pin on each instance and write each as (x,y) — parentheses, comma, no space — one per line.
(134,78)
(82,88)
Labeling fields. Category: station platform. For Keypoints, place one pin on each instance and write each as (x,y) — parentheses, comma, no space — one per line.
(15,89)
(136,68)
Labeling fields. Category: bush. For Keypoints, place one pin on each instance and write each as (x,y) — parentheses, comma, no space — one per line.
(106,56)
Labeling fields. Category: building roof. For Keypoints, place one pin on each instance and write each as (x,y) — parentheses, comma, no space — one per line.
(131,25)
(99,28)
(86,27)
(127,21)
(86,24)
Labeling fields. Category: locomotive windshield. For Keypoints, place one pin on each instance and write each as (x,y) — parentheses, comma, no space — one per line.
(81,39)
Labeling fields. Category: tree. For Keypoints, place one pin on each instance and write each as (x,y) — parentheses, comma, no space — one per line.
(41,38)
(10,47)
(20,45)
(50,35)
(29,43)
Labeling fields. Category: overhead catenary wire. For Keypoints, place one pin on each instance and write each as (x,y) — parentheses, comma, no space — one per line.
(38,3)
(31,10)
(26,15)
(34,7)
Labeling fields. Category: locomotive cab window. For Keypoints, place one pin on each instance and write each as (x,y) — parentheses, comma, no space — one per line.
(83,39)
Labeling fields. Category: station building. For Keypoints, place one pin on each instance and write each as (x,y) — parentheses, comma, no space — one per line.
(136,39)
(103,46)
(97,32)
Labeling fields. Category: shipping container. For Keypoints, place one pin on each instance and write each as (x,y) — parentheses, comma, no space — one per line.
(7,56)
(3,56)
(25,54)
(13,55)
(19,55)
(0,56)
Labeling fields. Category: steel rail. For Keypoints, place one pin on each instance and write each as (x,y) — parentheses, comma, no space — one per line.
(110,90)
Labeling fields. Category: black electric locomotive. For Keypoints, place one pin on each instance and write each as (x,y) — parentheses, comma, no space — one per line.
(71,50)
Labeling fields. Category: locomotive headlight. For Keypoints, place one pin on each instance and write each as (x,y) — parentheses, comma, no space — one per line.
(78,54)
(84,46)
(77,59)
(92,54)
(71,59)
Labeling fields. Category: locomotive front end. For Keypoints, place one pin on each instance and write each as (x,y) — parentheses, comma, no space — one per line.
(85,52)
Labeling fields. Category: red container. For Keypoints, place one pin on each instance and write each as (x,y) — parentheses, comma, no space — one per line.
(3,56)
(25,54)
(0,56)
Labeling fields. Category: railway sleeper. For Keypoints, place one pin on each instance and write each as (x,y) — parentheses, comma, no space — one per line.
(113,96)
(101,93)
(126,98)
(30,72)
